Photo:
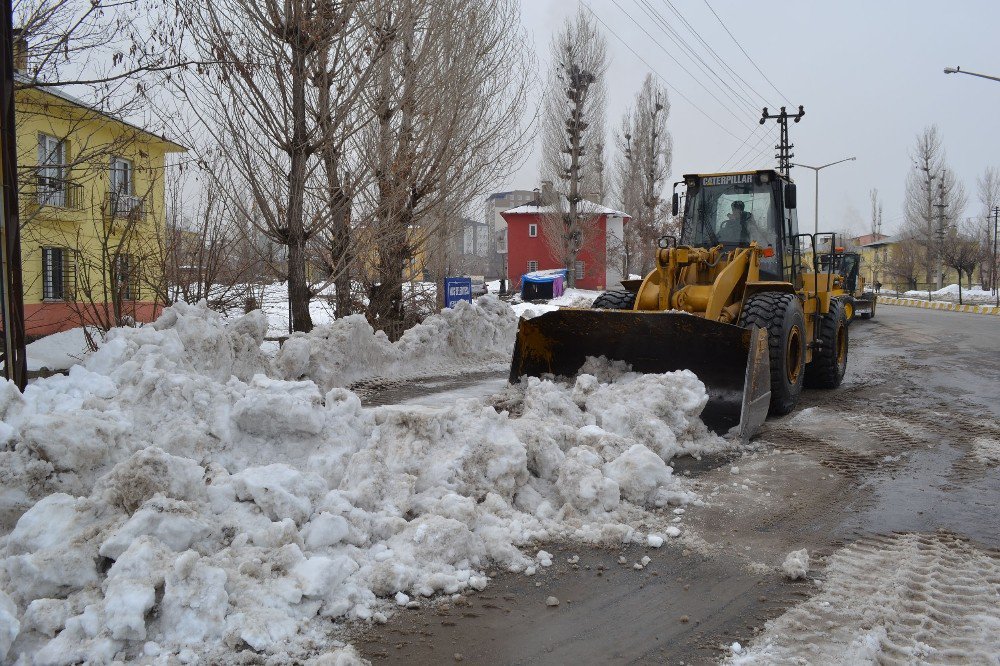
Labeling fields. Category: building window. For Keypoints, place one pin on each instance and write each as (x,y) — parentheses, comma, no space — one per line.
(58,274)
(532,230)
(126,278)
(532,266)
(123,200)
(579,269)
(51,170)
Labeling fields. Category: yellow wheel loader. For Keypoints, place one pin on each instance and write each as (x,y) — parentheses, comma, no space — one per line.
(850,288)
(733,301)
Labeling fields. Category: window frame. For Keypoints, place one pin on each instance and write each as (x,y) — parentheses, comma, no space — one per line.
(530,262)
(51,171)
(116,162)
(58,277)
(532,230)
(579,269)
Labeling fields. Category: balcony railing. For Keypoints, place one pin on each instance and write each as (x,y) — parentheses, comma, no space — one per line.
(125,205)
(57,192)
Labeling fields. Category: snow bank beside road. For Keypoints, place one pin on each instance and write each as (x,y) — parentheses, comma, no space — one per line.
(168,498)
(348,350)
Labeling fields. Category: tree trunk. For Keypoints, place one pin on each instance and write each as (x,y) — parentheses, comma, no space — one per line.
(298,286)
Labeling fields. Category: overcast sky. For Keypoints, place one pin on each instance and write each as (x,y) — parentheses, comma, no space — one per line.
(868,73)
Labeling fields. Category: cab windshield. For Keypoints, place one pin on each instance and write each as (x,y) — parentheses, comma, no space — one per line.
(732,210)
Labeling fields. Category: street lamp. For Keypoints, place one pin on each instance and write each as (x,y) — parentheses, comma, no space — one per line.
(817,169)
(959,70)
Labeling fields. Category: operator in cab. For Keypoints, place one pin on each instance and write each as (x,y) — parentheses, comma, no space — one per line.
(740,228)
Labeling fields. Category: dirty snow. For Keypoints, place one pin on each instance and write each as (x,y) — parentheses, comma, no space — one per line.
(882,601)
(468,336)
(572,298)
(178,497)
(796,564)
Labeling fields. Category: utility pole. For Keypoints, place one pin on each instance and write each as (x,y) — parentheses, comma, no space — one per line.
(784,148)
(940,231)
(993,266)
(15,360)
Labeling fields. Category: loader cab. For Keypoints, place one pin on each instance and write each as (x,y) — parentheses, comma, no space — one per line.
(845,264)
(735,209)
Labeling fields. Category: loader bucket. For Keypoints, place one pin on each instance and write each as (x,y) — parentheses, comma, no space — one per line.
(731,361)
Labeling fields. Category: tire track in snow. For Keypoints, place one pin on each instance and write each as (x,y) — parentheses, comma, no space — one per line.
(900,599)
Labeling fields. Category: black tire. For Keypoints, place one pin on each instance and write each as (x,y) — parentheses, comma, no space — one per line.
(829,361)
(780,314)
(616,299)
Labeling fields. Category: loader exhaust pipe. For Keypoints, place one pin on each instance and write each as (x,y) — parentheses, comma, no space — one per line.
(731,361)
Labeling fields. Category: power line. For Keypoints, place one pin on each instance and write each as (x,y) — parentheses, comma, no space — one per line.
(679,64)
(735,95)
(735,41)
(658,75)
(737,79)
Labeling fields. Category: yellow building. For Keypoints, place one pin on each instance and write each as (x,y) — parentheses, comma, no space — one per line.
(91,192)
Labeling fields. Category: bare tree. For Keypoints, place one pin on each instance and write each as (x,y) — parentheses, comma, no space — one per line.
(643,166)
(447,104)
(262,109)
(988,188)
(963,251)
(573,134)
(903,263)
(933,197)
(878,257)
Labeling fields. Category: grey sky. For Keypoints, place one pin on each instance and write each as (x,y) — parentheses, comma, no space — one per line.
(868,73)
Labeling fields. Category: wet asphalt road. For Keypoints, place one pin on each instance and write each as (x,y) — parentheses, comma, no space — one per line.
(908,444)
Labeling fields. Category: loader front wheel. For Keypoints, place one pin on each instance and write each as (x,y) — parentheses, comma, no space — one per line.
(616,299)
(780,314)
(830,356)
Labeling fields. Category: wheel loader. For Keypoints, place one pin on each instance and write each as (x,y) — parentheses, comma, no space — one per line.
(734,300)
(858,301)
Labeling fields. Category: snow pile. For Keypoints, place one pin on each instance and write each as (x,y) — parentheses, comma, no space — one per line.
(347,350)
(796,564)
(950,292)
(169,500)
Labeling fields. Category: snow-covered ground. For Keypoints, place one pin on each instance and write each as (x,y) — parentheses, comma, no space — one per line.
(180,496)
(950,293)
(58,351)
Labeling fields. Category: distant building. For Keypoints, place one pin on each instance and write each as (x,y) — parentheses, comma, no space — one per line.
(528,249)
(496,203)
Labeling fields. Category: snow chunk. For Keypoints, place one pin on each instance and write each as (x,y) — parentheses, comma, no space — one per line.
(280,491)
(796,564)
(9,625)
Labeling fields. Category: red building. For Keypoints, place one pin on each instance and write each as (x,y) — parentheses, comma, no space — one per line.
(597,266)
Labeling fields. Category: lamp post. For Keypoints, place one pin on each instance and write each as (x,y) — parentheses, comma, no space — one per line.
(816,170)
(959,70)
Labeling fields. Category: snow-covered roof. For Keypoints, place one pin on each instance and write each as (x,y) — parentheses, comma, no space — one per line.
(588,207)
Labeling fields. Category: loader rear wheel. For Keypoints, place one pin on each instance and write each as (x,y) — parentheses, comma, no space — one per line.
(780,314)
(829,360)
(849,309)
(616,299)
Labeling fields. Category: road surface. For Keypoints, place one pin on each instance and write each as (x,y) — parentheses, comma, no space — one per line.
(891,482)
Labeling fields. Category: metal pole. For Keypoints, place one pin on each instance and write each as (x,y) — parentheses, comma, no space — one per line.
(816,213)
(993,271)
(15,360)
